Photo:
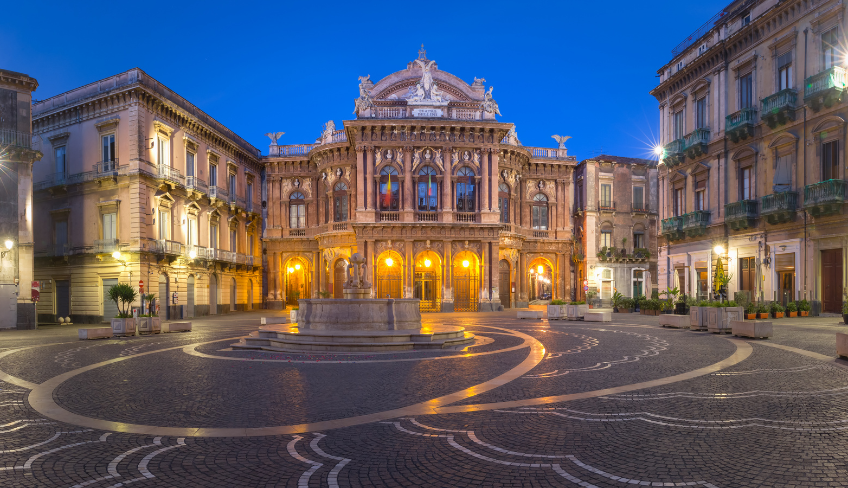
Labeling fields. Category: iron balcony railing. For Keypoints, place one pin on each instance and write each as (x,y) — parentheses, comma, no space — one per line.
(10,137)
(195,183)
(105,246)
(698,218)
(746,116)
(170,174)
(170,247)
(107,168)
(697,136)
(249,261)
(606,205)
(63,179)
(834,77)
(221,255)
(218,192)
(786,201)
(672,225)
(672,152)
(241,258)
(773,104)
(743,209)
(195,252)
(825,192)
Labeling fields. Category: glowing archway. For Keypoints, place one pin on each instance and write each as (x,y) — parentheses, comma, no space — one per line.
(541,279)
(427,281)
(389,275)
(298,282)
(466,282)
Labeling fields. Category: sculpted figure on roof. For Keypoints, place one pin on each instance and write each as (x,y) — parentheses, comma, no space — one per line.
(488,103)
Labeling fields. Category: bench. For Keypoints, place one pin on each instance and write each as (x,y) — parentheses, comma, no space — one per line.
(591,316)
(273,320)
(674,321)
(95,333)
(753,329)
(842,345)
(530,314)
(176,327)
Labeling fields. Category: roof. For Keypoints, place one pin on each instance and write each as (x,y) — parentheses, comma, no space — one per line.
(621,160)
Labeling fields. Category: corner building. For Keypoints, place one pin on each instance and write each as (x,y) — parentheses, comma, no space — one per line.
(439,196)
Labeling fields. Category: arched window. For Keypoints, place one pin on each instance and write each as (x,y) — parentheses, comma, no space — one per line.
(465,190)
(389,188)
(428,190)
(340,202)
(540,212)
(297,211)
(503,202)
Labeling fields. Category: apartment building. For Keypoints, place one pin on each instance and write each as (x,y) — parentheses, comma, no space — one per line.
(752,176)
(140,186)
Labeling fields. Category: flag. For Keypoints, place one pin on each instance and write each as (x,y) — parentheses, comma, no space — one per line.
(389,192)
(429,185)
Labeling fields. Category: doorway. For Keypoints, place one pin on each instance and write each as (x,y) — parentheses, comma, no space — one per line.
(339,277)
(162,304)
(427,282)
(232,294)
(389,275)
(190,297)
(213,295)
(63,298)
(638,282)
(785,267)
(831,276)
(466,282)
(504,283)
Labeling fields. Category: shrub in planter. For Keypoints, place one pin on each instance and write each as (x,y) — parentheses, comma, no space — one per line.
(556,309)
(751,311)
(777,310)
(804,307)
(762,311)
(792,309)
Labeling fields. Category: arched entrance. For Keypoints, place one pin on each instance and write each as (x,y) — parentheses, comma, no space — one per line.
(427,281)
(298,284)
(466,282)
(190,297)
(232,294)
(504,284)
(339,277)
(164,297)
(389,274)
(249,305)
(213,295)
(541,277)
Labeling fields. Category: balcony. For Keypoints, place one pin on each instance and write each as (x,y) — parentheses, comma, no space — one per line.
(14,138)
(292,150)
(241,258)
(388,217)
(466,217)
(217,193)
(108,169)
(825,88)
(780,107)
(249,206)
(606,206)
(672,228)
(778,208)
(297,232)
(695,143)
(673,153)
(695,223)
(220,255)
(640,209)
(195,252)
(195,183)
(825,198)
(340,227)
(105,246)
(548,153)
(170,247)
(167,173)
(740,125)
(427,217)
(237,202)
(741,214)
(540,234)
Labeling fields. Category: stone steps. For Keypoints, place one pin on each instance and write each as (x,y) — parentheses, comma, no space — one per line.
(360,341)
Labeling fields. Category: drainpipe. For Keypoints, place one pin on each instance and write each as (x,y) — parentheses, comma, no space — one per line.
(804,150)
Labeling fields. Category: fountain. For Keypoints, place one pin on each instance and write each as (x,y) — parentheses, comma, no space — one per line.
(356,323)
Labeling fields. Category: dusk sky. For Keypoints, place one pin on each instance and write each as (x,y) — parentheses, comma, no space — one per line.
(582,69)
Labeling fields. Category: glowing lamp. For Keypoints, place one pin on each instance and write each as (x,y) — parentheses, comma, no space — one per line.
(116,254)
(540,269)
(718,249)
(291,270)
(297,266)
(465,263)
(427,263)
(389,262)
(9,244)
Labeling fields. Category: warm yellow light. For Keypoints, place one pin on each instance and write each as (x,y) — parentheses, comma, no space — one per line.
(465,263)
(540,269)
(9,244)
(192,254)
(389,262)
(427,263)
(116,254)
(291,270)
(718,249)
(297,266)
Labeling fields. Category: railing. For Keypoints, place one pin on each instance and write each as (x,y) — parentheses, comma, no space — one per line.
(105,245)
(427,217)
(221,255)
(218,192)
(834,77)
(106,168)
(339,226)
(249,260)
(540,234)
(249,205)
(697,136)
(672,225)
(740,118)
(391,113)
(672,151)
(388,217)
(606,205)
(10,137)
(297,232)
(698,218)
(467,217)
(786,201)
(170,247)
(639,209)
(170,174)
(698,33)
(241,258)
(780,100)
(200,252)
(146,244)
(340,136)
(548,153)
(62,179)
(293,150)
(743,209)
(829,191)
(237,201)
(195,183)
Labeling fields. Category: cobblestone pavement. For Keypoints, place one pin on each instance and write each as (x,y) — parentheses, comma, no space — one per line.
(618,404)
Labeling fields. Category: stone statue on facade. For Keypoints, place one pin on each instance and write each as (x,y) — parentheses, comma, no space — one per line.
(327,133)
(274,136)
(364,101)
(489,104)
(561,140)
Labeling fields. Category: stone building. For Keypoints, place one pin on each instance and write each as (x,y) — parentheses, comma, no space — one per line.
(137,185)
(615,216)
(17,156)
(752,180)
(440,196)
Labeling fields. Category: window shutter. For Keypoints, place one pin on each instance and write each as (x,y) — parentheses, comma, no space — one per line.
(784,59)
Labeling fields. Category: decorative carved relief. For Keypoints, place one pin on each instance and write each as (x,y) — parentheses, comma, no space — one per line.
(332,253)
(459,246)
(421,246)
(510,255)
(383,246)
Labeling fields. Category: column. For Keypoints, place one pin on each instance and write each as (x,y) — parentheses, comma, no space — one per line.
(496,275)
(447,197)
(316,281)
(447,278)
(484,179)
(322,285)
(369,266)
(360,183)
(521,287)
(493,187)
(369,177)
(408,204)
(409,270)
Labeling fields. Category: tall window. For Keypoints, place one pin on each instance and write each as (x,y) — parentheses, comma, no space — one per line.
(606,195)
(606,238)
(163,153)
(745,183)
(639,197)
(164,225)
(638,239)
(248,196)
(213,175)
(191,235)
(503,202)
(428,190)
(678,202)
(389,188)
(701,110)
(701,195)
(677,120)
(466,195)
(189,163)
(540,212)
(250,245)
(109,230)
(61,167)
(60,237)
(830,44)
(213,236)
(784,71)
(746,88)
(108,147)
(232,187)
(340,202)
(233,241)
(297,211)
(830,160)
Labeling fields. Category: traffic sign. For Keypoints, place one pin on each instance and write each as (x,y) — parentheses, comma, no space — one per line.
(140,284)
(585,288)
(585,282)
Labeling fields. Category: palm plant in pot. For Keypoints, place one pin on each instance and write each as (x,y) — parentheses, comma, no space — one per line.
(845,311)
(123,295)
(617,298)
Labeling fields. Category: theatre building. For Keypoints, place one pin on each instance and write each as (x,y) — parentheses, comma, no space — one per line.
(433,189)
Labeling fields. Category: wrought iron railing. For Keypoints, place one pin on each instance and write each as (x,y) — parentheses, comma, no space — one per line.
(780,100)
(106,168)
(834,77)
(170,247)
(698,218)
(105,245)
(697,136)
(786,201)
(221,255)
(672,224)
(740,118)
(196,252)
(218,192)
(10,137)
(170,174)
(196,183)
(743,209)
(829,191)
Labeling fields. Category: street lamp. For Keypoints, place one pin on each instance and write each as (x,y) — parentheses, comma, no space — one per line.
(9,245)
(117,257)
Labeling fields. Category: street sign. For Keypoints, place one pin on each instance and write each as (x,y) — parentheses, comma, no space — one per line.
(140,284)
(586,288)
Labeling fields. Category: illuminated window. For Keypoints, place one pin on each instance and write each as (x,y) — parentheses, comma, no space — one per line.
(297,211)
(540,212)
(340,202)
(428,190)
(466,196)
(503,202)
(389,189)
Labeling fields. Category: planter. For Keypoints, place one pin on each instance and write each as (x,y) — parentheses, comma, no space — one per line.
(793,314)
(750,316)
(150,325)
(557,312)
(778,315)
(293,316)
(123,327)
(762,315)
(576,311)
(697,318)
(804,313)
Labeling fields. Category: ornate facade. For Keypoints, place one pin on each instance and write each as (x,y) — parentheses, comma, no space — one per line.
(440,196)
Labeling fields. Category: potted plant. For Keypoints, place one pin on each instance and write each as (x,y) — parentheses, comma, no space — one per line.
(324,294)
(590,295)
(556,310)
(804,308)
(762,311)
(777,310)
(123,295)
(149,322)
(576,310)
(751,312)
(792,309)
(617,298)
(845,311)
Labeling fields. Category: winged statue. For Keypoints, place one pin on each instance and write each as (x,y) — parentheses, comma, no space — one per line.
(561,140)
(274,136)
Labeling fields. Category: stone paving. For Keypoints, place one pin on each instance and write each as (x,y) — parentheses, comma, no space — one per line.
(532,403)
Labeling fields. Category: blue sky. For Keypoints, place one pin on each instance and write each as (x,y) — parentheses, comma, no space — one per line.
(563,68)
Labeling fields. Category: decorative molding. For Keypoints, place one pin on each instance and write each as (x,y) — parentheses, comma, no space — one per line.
(108,124)
(59,139)
(161,127)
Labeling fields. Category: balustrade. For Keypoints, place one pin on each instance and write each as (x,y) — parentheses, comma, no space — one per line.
(465,217)
(825,198)
(740,124)
(779,207)
(389,216)
(780,107)
(218,192)
(170,174)
(10,137)
(340,226)
(196,183)
(105,246)
(741,214)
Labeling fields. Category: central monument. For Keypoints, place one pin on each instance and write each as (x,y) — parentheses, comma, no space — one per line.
(356,323)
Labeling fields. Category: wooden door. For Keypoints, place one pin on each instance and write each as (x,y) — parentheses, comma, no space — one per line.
(504,285)
(831,273)
(339,277)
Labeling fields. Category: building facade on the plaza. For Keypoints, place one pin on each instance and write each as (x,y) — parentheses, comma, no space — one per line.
(441,198)
(139,184)
(753,172)
(17,156)
(615,214)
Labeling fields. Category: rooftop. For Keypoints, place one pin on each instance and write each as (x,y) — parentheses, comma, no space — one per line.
(621,160)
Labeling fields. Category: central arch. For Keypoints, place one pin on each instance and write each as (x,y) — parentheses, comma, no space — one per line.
(298,284)
(541,279)
(427,281)
(389,274)
(466,282)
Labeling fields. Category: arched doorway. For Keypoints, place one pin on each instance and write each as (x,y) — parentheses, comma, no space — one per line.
(541,279)
(164,297)
(249,305)
(298,284)
(190,297)
(232,294)
(389,274)
(213,295)
(466,282)
(339,277)
(427,281)
(504,283)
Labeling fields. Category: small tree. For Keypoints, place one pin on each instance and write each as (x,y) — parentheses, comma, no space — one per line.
(123,294)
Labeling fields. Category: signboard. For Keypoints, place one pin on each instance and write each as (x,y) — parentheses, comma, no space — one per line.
(141,286)
(35,291)
(585,288)
(585,282)
(427,112)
